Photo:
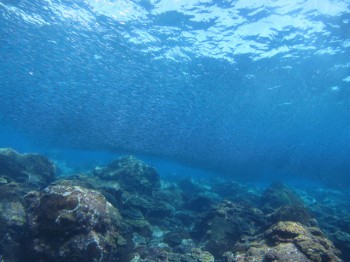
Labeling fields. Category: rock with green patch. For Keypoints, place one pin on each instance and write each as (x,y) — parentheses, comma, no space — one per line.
(290,241)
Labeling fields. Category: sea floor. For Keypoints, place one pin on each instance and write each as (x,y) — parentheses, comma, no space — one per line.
(125,211)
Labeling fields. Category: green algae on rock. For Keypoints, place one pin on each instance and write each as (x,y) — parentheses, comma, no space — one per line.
(290,241)
(12,229)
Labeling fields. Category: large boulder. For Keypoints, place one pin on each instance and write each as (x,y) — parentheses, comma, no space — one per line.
(236,192)
(224,225)
(138,210)
(278,195)
(32,169)
(132,174)
(71,223)
(290,241)
(19,174)
(292,213)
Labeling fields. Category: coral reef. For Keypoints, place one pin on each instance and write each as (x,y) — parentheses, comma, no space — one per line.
(126,212)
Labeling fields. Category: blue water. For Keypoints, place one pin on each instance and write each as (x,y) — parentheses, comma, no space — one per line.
(244,88)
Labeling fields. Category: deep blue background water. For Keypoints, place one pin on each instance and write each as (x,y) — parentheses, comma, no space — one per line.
(249,89)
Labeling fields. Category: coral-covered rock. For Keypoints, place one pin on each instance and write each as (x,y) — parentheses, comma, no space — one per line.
(162,255)
(14,191)
(171,193)
(19,174)
(174,239)
(332,209)
(185,217)
(286,252)
(140,226)
(342,241)
(278,195)
(12,230)
(138,210)
(33,169)
(190,187)
(12,214)
(200,203)
(235,192)
(111,190)
(221,227)
(132,174)
(292,213)
(196,255)
(290,241)
(71,223)
(284,232)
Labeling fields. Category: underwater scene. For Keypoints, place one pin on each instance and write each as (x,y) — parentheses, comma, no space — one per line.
(174,130)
